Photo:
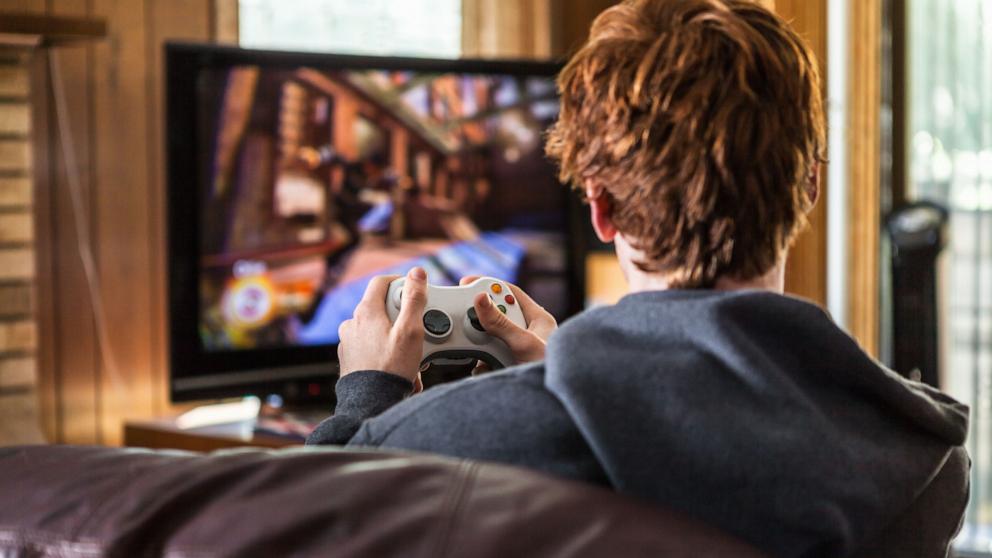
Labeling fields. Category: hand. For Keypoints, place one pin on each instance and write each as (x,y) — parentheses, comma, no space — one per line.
(370,342)
(527,345)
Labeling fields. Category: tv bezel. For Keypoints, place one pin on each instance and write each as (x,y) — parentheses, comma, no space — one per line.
(196,373)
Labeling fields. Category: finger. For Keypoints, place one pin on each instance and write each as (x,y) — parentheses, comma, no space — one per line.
(481,368)
(532,310)
(414,299)
(418,384)
(342,334)
(378,286)
(373,302)
(468,279)
(543,326)
(496,323)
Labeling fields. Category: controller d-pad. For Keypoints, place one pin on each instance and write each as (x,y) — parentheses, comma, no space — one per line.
(437,323)
(473,318)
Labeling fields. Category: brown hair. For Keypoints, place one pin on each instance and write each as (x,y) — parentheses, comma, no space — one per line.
(701,120)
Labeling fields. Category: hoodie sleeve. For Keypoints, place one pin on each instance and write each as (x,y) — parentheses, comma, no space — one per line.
(361,396)
(927,529)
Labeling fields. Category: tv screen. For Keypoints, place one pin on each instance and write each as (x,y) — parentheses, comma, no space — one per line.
(296,178)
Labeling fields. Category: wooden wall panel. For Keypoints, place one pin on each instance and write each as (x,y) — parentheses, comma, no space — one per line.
(576,17)
(124,265)
(34,6)
(174,19)
(43,179)
(605,282)
(864,170)
(224,21)
(806,270)
(527,28)
(115,95)
(806,274)
(501,28)
(76,346)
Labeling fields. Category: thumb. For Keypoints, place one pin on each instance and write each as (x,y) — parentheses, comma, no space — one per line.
(496,323)
(414,297)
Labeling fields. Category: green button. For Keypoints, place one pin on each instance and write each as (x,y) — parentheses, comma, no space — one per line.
(502,308)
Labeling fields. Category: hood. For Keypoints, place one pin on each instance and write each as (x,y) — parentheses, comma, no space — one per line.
(752,411)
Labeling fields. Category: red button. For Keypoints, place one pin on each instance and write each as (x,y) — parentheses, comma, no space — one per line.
(509,299)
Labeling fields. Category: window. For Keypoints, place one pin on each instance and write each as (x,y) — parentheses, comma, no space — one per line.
(430,28)
(949,52)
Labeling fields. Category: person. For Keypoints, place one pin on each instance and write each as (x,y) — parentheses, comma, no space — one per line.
(695,131)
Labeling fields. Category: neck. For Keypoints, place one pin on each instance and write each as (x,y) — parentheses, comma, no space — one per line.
(773,281)
(637,280)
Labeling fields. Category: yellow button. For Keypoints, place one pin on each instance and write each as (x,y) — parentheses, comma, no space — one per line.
(496,287)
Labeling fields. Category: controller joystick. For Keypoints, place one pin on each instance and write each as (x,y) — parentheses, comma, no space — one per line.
(452,330)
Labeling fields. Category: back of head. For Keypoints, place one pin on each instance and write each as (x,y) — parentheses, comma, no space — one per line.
(702,122)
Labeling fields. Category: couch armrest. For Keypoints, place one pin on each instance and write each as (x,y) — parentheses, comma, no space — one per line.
(319,501)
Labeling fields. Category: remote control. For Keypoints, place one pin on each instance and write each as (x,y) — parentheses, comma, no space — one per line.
(452,330)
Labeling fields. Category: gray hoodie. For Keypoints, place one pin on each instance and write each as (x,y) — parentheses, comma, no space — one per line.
(748,410)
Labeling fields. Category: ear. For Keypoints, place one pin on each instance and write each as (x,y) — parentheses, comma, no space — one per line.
(601,211)
(813,185)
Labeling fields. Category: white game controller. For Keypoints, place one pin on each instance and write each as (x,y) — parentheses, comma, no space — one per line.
(452,331)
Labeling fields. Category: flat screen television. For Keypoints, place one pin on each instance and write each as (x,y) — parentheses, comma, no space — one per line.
(294,178)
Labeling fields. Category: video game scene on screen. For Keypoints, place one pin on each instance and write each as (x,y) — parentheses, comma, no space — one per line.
(315,181)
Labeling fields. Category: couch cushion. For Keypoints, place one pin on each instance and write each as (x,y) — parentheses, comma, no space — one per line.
(89,501)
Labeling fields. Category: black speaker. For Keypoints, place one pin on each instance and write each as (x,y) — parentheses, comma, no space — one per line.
(917,235)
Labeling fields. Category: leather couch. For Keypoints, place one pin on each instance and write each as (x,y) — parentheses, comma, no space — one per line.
(89,501)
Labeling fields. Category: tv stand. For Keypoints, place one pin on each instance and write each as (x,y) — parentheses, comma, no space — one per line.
(164,433)
(248,422)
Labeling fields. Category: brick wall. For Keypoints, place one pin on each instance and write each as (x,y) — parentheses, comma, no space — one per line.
(18,326)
